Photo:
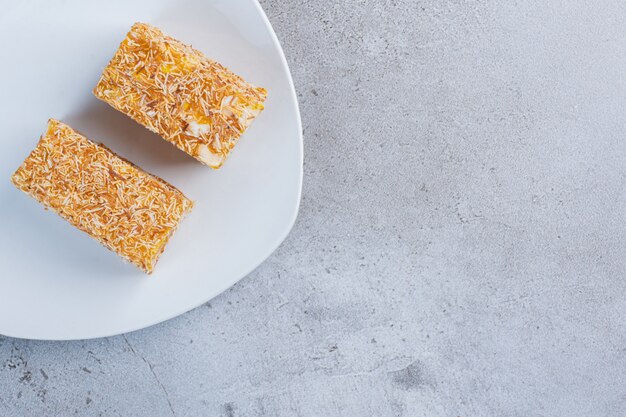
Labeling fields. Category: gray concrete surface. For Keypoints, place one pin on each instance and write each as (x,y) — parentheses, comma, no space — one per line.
(461,245)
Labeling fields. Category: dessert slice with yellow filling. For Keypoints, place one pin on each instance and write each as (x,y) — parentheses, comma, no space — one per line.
(174,90)
(129,211)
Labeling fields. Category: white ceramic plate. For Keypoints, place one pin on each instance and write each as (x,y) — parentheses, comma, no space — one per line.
(58,283)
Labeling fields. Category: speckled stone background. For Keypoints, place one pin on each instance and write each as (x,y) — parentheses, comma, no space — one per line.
(460,250)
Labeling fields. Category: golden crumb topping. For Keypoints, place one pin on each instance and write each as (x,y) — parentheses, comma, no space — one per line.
(126,209)
(174,90)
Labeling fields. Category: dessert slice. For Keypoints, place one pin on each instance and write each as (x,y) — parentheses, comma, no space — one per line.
(175,91)
(124,208)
